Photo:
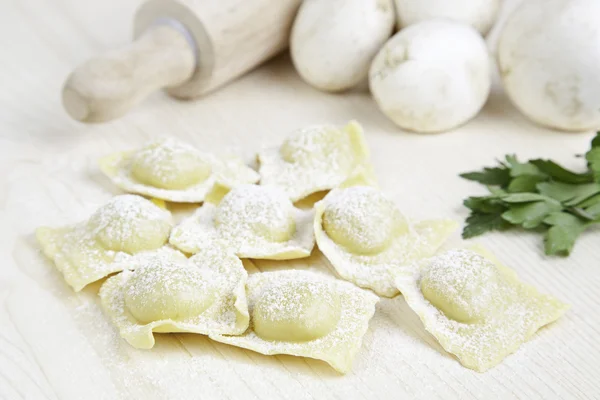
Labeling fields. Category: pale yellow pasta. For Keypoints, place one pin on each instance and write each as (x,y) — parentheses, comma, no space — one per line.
(305,314)
(167,292)
(315,159)
(254,222)
(172,170)
(169,166)
(475,307)
(90,250)
(363,235)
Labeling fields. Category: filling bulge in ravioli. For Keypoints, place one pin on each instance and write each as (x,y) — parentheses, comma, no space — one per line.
(475,307)
(130,224)
(305,314)
(465,289)
(248,211)
(167,291)
(317,144)
(164,291)
(315,159)
(298,312)
(169,164)
(363,221)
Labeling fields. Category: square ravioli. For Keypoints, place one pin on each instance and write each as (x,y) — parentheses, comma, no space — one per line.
(171,170)
(475,307)
(254,222)
(364,235)
(164,291)
(315,159)
(90,250)
(305,314)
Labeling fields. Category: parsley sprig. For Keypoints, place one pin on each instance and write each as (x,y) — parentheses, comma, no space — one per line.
(538,195)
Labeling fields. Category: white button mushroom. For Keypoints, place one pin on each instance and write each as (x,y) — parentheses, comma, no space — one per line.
(333,41)
(480,14)
(549,56)
(432,76)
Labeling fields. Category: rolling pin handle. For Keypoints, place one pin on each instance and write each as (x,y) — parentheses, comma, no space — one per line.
(106,87)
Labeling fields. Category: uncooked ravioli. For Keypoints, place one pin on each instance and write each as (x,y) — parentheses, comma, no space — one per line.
(253,221)
(172,170)
(475,307)
(315,159)
(305,314)
(90,250)
(166,292)
(364,235)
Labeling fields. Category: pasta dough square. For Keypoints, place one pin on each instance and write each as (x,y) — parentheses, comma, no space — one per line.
(475,307)
(315,159)
(305,314)
(90,250)
(171,170)
(163,291)
(254,222)
(363,235)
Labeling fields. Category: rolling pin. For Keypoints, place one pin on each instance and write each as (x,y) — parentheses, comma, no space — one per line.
(187,47)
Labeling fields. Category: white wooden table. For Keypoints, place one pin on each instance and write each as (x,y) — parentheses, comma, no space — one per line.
(55,344)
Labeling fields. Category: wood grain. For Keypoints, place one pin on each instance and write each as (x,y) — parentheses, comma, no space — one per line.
(107,86)
(187,47)
(55,344)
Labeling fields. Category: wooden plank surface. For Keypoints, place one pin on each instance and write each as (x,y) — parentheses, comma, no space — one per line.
(55,344)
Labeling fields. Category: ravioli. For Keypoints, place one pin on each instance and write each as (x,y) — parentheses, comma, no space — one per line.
(363,235)
(254,222)
(172,170)
(163,291)
(315,159)
(305,314)
(475,307)
(90,250)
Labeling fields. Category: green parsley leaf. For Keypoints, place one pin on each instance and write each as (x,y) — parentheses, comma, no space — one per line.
(496,176)
(594,211)
(561,174)
(530,215)
(590,201)
(581,213)
(568,193)
(496,191)
(527,197)
(519,169)
(524,183)
(479,223)
(487,205)
(562,218)
(582,193)
(596,140)
(593,159)
(590,208)
(564,231)
(538,195)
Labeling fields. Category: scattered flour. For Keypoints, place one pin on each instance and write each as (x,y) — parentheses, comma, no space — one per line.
(404,244)
(253,222)
(507,311)
(337,347)
(118,167)
(315,159)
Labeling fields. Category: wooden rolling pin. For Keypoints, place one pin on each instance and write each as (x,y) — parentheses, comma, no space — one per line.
(188,47)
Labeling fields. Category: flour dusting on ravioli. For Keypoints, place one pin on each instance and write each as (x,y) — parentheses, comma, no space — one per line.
(364,235)
(90,250)
(315,159)
(476,308)
(166,292)
(305,314)
(254,222)
(172,170)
